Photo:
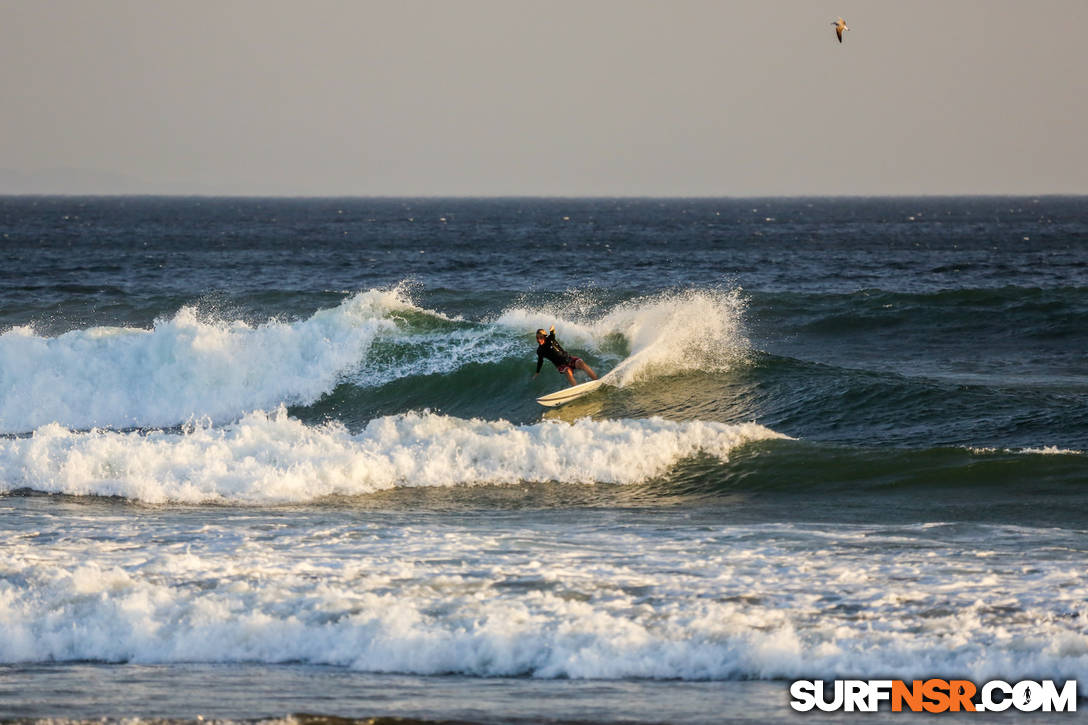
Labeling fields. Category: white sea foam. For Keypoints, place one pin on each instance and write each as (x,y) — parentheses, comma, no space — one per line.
(1051,451)
(267,458)
(664,334)
(1040,451)
(184,366)
(498,598)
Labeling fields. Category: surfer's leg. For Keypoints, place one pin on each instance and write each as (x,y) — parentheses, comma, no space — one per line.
(581,365)
(570,375)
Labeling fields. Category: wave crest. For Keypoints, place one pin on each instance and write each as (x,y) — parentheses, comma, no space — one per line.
(184,366)
(273,458)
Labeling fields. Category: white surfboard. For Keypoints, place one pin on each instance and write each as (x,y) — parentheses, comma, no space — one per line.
(568,394)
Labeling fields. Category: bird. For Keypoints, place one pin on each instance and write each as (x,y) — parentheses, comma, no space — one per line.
(840,25)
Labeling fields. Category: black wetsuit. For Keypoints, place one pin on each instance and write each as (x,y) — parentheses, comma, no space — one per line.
(552,350)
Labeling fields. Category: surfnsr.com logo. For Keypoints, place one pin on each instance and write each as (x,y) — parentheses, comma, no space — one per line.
(933,695)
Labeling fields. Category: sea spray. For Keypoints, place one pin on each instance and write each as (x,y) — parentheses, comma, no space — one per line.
(694,330)
(662,334)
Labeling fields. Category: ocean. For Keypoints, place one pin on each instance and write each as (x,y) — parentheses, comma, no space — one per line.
(281,459)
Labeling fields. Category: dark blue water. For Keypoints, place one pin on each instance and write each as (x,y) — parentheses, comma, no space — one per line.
(297,439)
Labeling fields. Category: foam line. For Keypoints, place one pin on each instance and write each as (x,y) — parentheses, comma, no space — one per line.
(273,458)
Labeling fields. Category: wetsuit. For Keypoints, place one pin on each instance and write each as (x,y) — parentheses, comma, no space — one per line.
(552,350)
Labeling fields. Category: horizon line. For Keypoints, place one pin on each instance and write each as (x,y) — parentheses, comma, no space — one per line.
(543,197)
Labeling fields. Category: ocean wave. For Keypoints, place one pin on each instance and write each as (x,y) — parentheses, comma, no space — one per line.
(194,366)
(771,602)
(1044,315)
(185,366)
(273,458)
(865,471)
(849,402)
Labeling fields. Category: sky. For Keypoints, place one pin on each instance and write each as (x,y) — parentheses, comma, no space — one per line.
(557,98)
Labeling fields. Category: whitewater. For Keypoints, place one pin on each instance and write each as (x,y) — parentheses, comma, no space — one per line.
(399,594)
(271,458)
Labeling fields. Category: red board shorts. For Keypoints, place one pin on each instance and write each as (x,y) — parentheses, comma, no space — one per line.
(571,365)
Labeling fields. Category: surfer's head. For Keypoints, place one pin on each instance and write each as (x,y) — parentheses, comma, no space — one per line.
(541,336)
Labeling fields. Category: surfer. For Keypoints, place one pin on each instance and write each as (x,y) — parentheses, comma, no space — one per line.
(549,347)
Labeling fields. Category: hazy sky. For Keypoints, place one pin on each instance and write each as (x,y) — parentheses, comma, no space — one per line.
(555,97)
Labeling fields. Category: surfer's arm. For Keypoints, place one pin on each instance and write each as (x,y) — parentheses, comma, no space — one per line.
(539,363)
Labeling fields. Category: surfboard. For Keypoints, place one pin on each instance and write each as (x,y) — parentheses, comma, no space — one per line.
(568,394)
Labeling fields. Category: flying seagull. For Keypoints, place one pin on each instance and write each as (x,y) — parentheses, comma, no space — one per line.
(840,25)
